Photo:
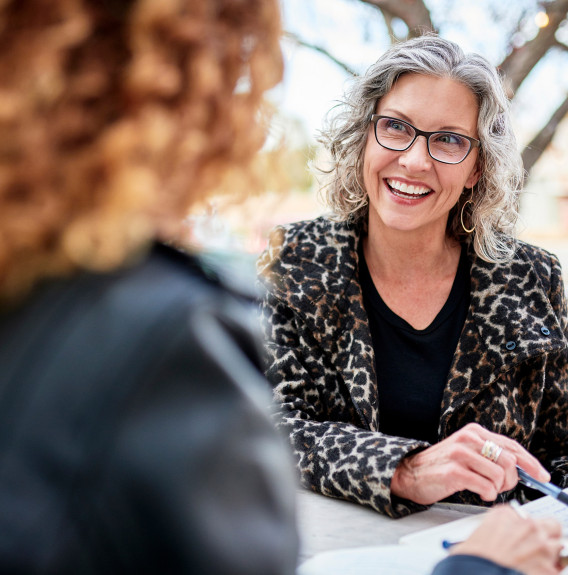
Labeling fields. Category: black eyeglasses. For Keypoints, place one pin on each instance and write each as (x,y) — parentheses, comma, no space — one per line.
(445,147)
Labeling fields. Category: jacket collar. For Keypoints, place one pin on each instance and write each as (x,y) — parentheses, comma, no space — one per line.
(319,255)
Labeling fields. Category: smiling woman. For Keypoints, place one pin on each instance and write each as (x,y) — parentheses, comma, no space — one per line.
(410,327)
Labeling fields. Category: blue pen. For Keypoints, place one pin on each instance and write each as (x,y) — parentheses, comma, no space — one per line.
(546,488)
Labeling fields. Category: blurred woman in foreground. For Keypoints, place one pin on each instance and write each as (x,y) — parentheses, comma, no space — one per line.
(133,434)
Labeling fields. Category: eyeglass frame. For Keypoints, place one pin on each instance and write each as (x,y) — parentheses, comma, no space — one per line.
(374,118)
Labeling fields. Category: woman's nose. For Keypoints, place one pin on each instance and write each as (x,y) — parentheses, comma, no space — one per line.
(416,158)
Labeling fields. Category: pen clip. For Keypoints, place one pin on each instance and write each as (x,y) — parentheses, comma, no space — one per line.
(526,479)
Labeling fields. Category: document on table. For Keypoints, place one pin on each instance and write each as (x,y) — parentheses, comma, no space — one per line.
(383,560)
(461,528)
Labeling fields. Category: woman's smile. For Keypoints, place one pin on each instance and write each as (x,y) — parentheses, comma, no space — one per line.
(407,191)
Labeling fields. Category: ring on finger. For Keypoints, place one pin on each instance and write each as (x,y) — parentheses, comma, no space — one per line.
(491,451)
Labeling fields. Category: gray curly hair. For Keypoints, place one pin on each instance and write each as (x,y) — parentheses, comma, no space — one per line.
(494,208)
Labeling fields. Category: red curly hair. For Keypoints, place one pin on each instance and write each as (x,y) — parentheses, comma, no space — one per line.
(116,116)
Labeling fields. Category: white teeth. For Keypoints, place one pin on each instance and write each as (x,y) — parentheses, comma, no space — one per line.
(406,189)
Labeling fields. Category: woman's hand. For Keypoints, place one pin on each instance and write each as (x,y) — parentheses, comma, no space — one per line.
(529,545)
(456,464)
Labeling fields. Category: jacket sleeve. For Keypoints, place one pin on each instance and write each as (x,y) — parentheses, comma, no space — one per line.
(471,565)
(551,436)
(336,452)
(198,480)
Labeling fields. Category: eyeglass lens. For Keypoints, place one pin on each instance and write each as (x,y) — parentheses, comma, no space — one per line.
(443,146)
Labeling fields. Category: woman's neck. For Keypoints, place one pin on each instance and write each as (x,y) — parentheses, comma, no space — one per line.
(400,254)
(412,272)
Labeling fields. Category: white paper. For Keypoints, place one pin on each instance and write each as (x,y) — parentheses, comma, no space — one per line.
(549,507)
(461,528)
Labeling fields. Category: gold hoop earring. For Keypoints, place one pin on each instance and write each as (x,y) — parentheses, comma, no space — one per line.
(470,201)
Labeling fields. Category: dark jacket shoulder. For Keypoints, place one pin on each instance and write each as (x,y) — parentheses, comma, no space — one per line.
(133,425)
(545,263)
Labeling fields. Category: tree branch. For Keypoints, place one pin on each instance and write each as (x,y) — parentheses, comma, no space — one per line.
(297,40)
(520,61)
(413,13)
(538,144)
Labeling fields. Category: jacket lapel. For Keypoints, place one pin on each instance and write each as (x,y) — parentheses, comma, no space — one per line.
(331,306)
(353,353)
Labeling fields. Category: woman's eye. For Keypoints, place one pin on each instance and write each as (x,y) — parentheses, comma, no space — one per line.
(450,139)
(398,126)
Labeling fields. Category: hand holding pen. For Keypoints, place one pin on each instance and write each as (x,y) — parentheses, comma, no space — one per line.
(473,458)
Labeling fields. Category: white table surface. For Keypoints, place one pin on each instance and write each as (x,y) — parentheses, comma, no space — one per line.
(327,524)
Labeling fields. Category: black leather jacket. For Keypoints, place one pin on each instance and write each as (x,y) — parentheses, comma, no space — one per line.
(133,437)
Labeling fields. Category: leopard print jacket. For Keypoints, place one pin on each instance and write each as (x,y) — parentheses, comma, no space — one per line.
(509,372)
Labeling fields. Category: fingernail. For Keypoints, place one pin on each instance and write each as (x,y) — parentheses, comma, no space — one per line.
(545,476)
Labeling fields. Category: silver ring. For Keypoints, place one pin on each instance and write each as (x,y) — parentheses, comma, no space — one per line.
(491,451)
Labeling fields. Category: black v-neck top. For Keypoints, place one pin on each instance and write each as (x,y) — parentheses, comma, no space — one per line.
(412,365)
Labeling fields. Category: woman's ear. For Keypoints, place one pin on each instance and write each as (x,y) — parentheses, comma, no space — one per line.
(474,176)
